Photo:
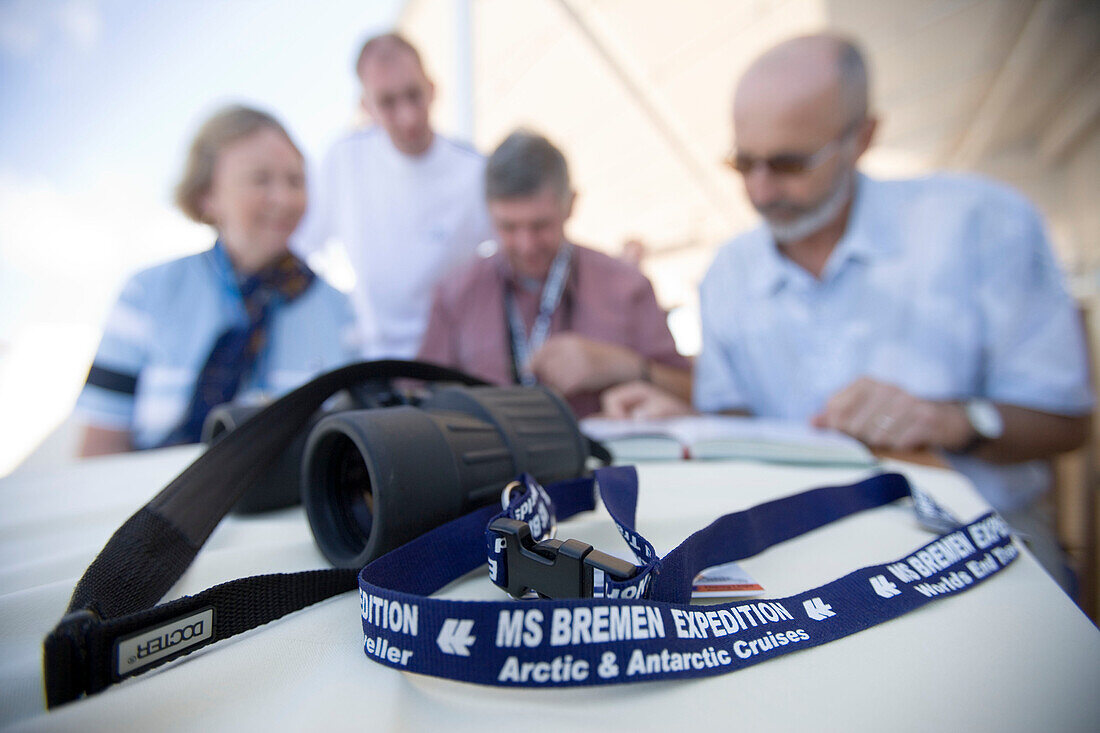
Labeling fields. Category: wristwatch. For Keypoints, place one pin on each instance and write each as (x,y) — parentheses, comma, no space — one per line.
(986,421)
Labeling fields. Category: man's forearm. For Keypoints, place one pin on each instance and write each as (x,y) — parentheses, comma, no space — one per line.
(1030,434)
(671,379)
(885,416)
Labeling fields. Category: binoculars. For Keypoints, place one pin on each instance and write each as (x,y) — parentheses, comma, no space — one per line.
(376,470)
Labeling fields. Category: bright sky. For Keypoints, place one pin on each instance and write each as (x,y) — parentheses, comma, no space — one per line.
(98,102)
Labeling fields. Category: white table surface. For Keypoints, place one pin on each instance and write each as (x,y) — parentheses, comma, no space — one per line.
(1011,654)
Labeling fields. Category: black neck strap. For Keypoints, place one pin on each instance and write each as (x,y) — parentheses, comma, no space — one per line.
(116,598)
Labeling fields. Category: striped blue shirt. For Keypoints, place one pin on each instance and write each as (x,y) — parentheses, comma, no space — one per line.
(160,332)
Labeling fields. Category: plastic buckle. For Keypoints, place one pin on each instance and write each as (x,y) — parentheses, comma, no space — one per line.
(553,568)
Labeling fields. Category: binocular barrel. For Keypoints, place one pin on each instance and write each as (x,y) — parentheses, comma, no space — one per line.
(373,480)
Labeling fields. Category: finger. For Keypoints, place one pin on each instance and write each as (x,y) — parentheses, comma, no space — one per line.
(661,408)
(621,401)
(659,404)
(911,437)
(842,405)
(870,416)
(891,415)
(919,428)
(639,400)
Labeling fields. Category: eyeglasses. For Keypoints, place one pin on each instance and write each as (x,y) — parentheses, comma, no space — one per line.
(789,164)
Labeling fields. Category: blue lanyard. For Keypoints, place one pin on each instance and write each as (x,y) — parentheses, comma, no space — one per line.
(634,623)
(523,348)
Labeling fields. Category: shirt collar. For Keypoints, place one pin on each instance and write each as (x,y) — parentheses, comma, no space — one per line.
(863,238)
(772,268)
(512,279)
(423,160)
(223,266)
(862,241)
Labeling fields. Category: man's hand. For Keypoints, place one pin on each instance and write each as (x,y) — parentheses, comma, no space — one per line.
(573,364)
(641,400)
(884,416)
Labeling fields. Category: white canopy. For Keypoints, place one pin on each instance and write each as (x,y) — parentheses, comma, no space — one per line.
(637,93)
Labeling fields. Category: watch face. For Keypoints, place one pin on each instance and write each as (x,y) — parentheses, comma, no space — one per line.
(985,419)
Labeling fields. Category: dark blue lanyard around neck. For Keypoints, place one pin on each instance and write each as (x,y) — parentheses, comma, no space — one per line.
(524,346)
(630,622)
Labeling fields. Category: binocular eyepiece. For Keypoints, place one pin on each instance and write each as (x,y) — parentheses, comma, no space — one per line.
(374,479)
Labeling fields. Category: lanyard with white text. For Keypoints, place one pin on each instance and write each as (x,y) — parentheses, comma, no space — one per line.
(523,348)
(611,621)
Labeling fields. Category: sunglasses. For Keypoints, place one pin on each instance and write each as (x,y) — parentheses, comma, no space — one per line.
(788,164)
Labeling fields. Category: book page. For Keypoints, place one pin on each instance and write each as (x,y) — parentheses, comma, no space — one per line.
(730,437)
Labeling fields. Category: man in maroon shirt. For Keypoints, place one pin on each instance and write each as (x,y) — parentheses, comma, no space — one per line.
(545,310)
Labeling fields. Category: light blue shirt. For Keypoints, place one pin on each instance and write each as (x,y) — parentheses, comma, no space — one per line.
(165,323)
(945,286)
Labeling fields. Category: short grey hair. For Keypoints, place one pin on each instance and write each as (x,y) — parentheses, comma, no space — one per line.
(523,165)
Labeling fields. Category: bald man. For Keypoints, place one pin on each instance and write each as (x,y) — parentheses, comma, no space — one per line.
(925,313)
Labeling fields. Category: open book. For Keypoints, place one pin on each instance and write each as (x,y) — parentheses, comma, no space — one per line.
(713,437)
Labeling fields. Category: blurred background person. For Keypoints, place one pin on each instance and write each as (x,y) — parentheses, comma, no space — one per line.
(543,309)
(633,252)
(403,201)
(244,320)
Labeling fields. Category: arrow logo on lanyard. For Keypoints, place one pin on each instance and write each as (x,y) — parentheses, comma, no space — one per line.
(454,637)
(818,609)
(884,587)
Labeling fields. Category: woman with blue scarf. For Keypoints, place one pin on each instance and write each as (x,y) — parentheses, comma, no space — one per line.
(241,321)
